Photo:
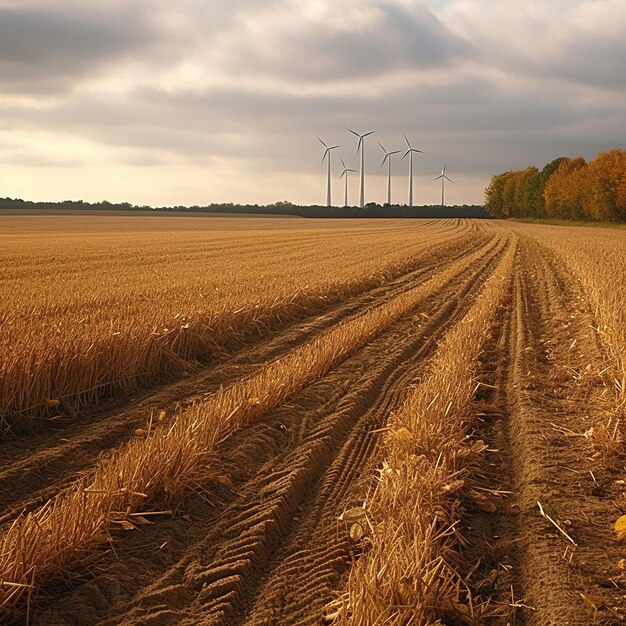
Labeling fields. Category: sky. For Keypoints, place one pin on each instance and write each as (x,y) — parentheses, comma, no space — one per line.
(198,101)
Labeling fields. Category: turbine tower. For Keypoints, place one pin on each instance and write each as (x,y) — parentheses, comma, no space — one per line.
(345,173)
(444,178)
(410,152)
(327,152)
(388,159)
(361,147)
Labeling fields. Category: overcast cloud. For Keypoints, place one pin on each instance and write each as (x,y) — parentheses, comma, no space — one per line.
(195,102)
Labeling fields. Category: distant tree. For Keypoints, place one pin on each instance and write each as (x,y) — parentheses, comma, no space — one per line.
(563,191)
(494,194)
(508,195)
(603,193)
(528,200)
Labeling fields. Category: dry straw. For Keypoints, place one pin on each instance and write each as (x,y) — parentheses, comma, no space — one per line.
(409,573)
(103,331)
(158,467)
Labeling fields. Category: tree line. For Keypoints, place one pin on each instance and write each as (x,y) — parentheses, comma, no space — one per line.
(566,188)
(284,207)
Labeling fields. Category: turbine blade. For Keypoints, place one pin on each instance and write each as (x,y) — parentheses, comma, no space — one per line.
(353,132)
(325,146)
(370,133)
(384,159)
(334,147)
(438,177)
(382,147)
(325,153)
(407,142)
(405,155)
(342,163)
(448,179)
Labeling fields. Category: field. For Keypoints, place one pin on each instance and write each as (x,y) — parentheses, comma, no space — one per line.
(255,421)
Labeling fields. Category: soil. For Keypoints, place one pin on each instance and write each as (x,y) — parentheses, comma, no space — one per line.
(544,413)
(265,546)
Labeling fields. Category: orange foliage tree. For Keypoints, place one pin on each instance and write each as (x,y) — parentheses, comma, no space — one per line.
(604,186)
(566,189)
(563,192)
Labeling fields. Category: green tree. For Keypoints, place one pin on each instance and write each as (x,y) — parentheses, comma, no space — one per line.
(494,194)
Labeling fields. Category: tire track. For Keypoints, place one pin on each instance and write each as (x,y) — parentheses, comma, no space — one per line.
(538,421)
(291,474)
(35,469)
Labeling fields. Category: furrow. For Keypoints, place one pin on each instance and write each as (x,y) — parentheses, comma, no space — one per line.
(223,571)
(541,423)
(23,484)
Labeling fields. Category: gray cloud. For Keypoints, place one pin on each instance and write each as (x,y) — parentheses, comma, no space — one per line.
(47,51)
(247,85)
(352,41)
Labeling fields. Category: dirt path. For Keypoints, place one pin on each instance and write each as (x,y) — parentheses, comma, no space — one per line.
(266,548)
(545,416)
(36,467)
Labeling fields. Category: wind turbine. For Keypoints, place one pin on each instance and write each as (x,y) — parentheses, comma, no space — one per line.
(444,178)
(410,152)
(361,147)
(327,152)
(345,173)
(388,159)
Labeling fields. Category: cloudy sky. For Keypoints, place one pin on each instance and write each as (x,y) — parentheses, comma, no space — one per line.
(198,101)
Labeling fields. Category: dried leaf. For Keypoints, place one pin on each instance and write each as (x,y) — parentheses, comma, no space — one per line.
(253,401)
(161,416)
(52,403)
(621,564)
(403,434)
(356,532)
(140,432)
(355,515)
(125,524)
(620,528)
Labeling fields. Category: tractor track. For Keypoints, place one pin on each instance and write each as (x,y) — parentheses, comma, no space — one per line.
(268,549)
(35,467)
(537,414)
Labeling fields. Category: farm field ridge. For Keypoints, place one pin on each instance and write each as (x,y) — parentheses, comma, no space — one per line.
(480,362)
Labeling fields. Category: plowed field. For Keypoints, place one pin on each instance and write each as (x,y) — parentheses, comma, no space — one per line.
(229,422)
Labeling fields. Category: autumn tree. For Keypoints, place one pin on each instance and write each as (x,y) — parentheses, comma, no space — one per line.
(604,186)
(565,188)
(563,192)
(494,194)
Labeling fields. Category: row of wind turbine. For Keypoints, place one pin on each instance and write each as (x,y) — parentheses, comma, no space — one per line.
(387,158)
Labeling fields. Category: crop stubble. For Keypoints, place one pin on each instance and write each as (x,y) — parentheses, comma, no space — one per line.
(258,536)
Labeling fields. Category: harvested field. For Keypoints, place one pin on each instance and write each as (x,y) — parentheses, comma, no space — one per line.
(282,421)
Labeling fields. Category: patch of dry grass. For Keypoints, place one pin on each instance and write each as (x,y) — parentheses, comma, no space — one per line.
(98,309)
(409,573)
(597,259)
(158,467)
